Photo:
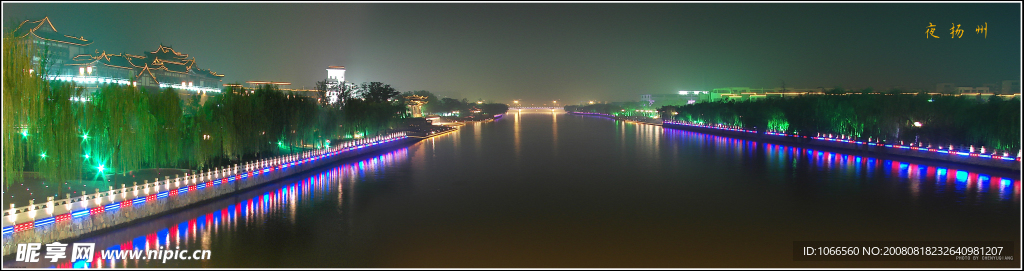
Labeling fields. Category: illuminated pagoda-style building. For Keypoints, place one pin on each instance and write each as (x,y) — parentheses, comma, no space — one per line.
(43,36)
(415,104)
(70,61)
(161,68)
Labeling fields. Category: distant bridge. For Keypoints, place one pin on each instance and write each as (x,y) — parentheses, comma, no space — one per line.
(535,107)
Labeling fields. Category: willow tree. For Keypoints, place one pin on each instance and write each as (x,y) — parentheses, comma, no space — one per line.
(167,111)
(125,127)
(59,141)
(206,133)
(22,104)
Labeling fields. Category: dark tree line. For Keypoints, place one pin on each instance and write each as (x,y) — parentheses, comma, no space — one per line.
(940,119)
(448,105)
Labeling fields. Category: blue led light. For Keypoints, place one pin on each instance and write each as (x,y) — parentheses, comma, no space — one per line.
(80,213)
(45,221)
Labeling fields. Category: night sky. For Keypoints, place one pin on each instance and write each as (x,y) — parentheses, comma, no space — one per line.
(568,52)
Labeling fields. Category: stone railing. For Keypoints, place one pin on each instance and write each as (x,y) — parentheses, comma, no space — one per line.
(70,217)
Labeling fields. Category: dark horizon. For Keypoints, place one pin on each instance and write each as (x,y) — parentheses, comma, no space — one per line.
(564,52)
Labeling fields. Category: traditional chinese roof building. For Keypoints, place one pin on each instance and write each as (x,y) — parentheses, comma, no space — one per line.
(161,68)
(42,35)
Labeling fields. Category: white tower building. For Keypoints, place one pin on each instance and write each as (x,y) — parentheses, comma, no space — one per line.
(335,74)
(335,77)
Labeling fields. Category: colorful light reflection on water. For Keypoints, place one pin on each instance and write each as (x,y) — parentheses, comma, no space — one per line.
(963,184)
(273,200)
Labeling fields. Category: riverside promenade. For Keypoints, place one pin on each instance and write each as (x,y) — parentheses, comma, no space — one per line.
(59,220)
(965,157)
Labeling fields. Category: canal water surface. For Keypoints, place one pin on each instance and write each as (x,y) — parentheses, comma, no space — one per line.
(547,189)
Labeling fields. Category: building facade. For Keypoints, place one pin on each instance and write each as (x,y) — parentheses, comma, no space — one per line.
(335,74)
(42,36)
(161,68)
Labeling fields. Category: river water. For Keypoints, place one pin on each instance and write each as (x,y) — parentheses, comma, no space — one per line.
(547,189)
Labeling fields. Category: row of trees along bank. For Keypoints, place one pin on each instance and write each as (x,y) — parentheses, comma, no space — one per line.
(939,120)
(433,105)
(63,132)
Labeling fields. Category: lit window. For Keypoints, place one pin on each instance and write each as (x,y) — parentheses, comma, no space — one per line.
(89,70)
(81,71)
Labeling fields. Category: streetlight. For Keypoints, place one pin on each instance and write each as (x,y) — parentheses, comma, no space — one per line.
(917,124)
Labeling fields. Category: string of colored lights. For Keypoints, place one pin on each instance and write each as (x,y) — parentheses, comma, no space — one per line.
(282,163)
(782,158)
(669,123)
(247,210)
